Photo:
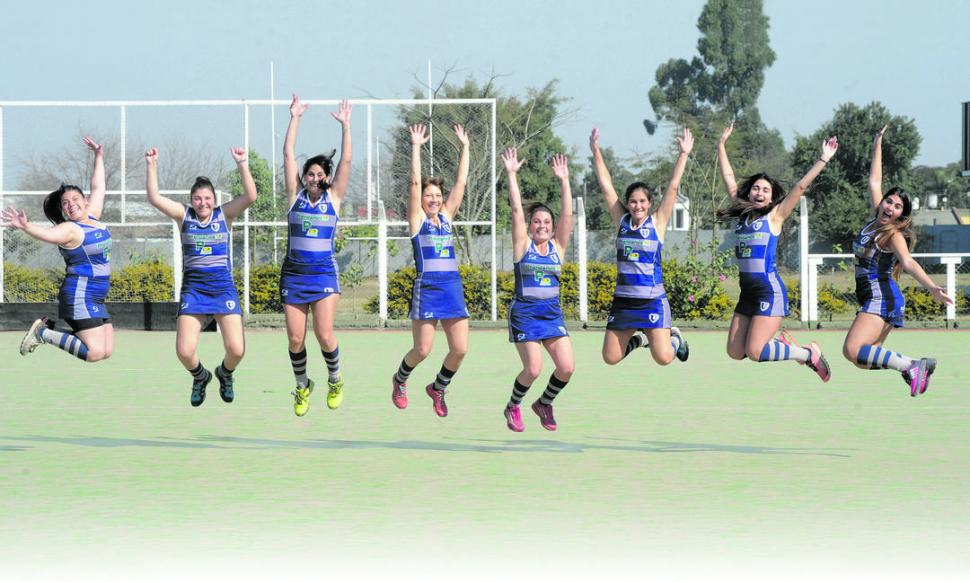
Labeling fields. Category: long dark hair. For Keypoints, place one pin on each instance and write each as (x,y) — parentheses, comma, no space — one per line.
(325,161)
(903,225)
(52,203)
(742,203)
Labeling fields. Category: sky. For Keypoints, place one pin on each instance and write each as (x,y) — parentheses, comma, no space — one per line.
(911,56)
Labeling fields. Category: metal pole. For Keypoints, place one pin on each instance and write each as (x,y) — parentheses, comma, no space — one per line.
(951,284)
(430,126)
(382,262)
(370,168)
(581,257)
(177,260)
(272,127)
(124,162)
(494,262)
(2,230)
(803,255)
(246,219)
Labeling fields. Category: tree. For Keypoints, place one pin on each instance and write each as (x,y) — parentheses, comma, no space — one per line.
(597,215)
(840,203)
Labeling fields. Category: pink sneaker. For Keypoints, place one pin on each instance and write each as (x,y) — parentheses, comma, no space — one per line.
(546,419)
(399,393)
(438,398)
(918,377)
(513,418)
(816,361)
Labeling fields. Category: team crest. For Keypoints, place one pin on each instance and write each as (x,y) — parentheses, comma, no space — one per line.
(757,224)
(520,337)
(654,318)
(764,305)
(184,305)
(230,304)
(215,226)
(645,231)
(865,239)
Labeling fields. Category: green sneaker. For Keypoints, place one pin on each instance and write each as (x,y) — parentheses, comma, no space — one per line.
(198,389)
(335,395)
(301,399)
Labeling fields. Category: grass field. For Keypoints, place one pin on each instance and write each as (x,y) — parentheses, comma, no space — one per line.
(713,466)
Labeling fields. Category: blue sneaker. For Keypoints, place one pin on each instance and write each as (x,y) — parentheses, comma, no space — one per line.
(198,389)
(683,352)
(225,384)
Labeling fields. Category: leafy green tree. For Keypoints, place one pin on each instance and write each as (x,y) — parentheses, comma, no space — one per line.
(597,215)
(267,208)
(840,202)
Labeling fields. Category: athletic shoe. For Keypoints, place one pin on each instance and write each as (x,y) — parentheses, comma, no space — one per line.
(438,398)
(32,337)
(816,361)
(225,385)
(513,418)
(301,398)
(918,374)
(683,352)
(930,368)
(335,393)
(546,419)
(198,389)
(399,393)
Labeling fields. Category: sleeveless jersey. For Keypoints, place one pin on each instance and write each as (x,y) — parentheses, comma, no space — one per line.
(433,246)
(639,271)
(755,250)
(312,228)
(536,275)
(206,248)
(92,257)
(871,261)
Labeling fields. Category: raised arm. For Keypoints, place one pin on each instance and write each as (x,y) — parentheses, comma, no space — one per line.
(605,181)
(235,207)
(787,206)
(453,203)
(686,143)
(727,172)
(291,172)
(875,170)
(65,234)
(564,227)
(170,208)
(96,200)
(341,173)
(520,232)
(909,265)
(419,137)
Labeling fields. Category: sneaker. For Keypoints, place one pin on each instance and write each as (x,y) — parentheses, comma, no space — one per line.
(301,398)
(335,393)
(438,398)
(546,419)
(513,418)
(225,385)
(918,374)
(198,389)
(683,352)
(816,361)
(930,368)
(32,337)
(399,393)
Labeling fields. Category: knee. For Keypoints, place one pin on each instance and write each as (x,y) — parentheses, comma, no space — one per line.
(420,352)
(296,342)
(236,351)
(610,359)
(664,359)
(531,372)
(753,354)
(458,352)
(185,353)
(565,371)
(736,354)
(97,354)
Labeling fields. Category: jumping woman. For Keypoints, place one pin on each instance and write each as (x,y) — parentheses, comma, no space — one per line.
(760,207)
(207,286)
(309,280)
(438,294)
(85,243)
(535,316)
(882,251)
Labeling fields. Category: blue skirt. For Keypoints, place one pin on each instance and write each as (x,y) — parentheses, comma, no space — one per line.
(762,294)
(83,298)
(531,321)
(200,300)
(438,296)
(881,297)
(298,287)
(636,313)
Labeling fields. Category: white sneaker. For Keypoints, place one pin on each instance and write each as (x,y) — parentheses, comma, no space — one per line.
(31,339)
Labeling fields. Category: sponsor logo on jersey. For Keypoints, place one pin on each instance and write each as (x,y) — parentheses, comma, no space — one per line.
(285,292)
(429,315)
(538,276)
(312,232)
(445,253)
(98,234)
(634,256)
(520,336)
(95,308)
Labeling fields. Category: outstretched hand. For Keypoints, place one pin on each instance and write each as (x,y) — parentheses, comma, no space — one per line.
(560,166)
(419,134)
(239,154)
(93,145)
(297,109)
(940,295)
(510,157)
(461,134)
(878,138)
(829,147)
(685,141)
(725,134)
(12,217)
(151,156)
(342,114)
(594,140)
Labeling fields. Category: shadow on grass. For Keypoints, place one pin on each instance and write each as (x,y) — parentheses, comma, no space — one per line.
(447,445)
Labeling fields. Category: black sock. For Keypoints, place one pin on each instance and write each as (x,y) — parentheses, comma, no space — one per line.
(518,392)
(298,362)
(333,363)
(403,372)
(199,372)
(638,340)
(553,388)
(444,378)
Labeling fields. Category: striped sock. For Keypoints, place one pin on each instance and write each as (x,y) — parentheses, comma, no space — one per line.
(198,373)
(637,341)
(553,388)
(298,361)
(443,379)
(775,351)
(675,341)
(518,392)
(66,341)
(223,371)
(403,372)
(333,363)
(877,358)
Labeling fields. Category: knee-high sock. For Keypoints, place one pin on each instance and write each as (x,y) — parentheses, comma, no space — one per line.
(64,340)
(775,351)
(877,358)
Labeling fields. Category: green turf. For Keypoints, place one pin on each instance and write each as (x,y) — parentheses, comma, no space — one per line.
(712,461)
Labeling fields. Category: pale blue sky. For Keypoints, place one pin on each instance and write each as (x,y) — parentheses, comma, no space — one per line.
(912,56)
